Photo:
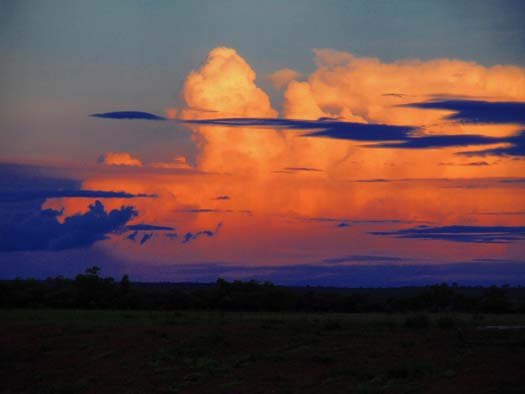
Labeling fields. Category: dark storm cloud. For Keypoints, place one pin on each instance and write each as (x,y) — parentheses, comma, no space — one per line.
(21,182)
(516,147)
(145,238)
(385,136)
(148,227)
(128,115)
(132,236)
(40,230)
(26,177)
(442,141)
(190,236)
(475,111)
(27,195)
(390,136)
(470,164)
(472,234)
(323,128)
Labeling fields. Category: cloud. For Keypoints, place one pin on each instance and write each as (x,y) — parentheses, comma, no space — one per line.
(515,146)
(375,180)
(148,227)
(281,78)
(189,236)
(204,210)
(320,128)
(475,111)
(443,141)
(298,170)
(28,195)
(145,238)
(363,258)
(119,159)
(132,236)
(299,102)
(457,233)
(382,135)
(179,162)
(348,91)
(40,230)
(30,178)
(128,115)
(353,88)
(171,113)
(472,164)
(345,222)
(513,180)
(225,84)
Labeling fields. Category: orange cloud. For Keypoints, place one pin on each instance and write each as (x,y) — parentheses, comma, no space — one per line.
(119,159)
(179,162)
(171,113)
(224,86)
(343,86)
(281,78)
(351,87)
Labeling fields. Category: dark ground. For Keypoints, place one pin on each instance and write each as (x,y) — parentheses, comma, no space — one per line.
(68,351)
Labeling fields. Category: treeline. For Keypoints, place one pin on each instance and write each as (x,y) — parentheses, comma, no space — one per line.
(92,291)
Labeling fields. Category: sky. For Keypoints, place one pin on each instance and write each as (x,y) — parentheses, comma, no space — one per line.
(333,143)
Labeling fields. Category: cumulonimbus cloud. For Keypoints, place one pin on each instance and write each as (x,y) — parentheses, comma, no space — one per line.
(437,102)
(281,78)
(179,162)
(367,89)
(225,84)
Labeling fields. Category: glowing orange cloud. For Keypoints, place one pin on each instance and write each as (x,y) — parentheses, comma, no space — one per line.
(171,113)
(343,86)
(179,162)
(224,86)
(119,159)
(281,78)
(269,213)
(353,88)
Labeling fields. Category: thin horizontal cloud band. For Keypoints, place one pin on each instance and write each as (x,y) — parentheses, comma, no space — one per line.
(457,233)
(391,136)
(44,194)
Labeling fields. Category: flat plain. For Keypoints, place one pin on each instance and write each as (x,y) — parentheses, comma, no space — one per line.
(91,351)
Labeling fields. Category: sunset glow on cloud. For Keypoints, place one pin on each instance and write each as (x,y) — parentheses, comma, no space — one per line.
(119,159)
(352,89)
(369,90)
(262,196)
(244,161)
(224,86)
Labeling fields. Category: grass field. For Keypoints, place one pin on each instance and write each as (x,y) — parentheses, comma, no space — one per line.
(70,351)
